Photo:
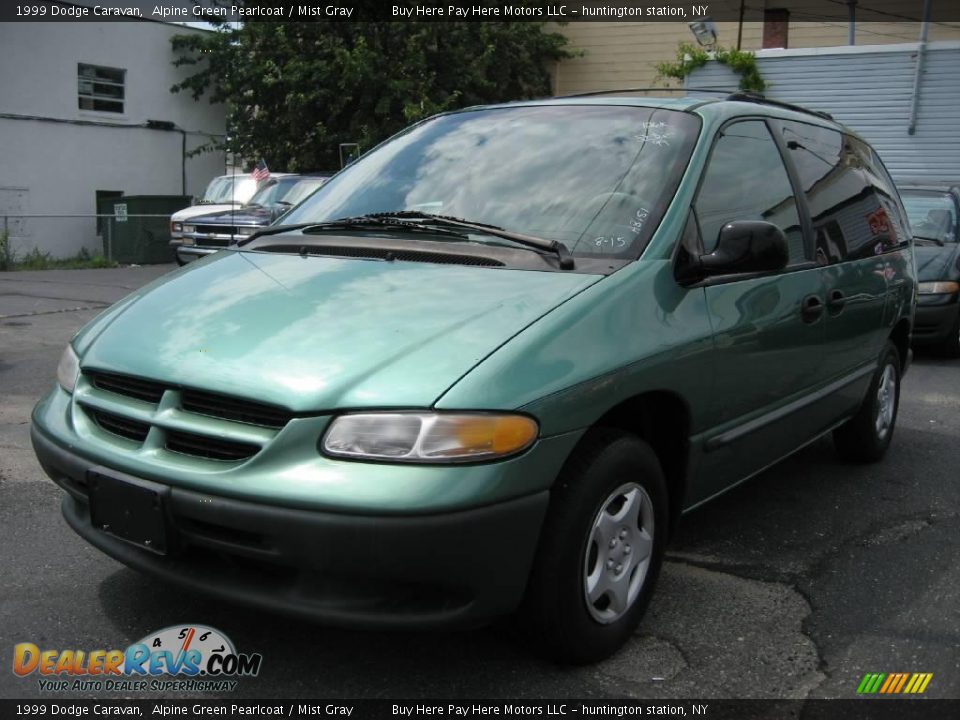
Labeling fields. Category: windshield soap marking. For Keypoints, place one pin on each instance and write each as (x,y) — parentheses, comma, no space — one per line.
(614,242)
(655,133)
(636,224)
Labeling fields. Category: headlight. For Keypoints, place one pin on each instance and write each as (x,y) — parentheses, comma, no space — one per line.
(247,230)
(429,437)
(189,228)
(68,369)
(937,288)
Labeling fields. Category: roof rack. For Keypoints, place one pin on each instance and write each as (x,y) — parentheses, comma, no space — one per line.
(741,96)
(591,93)
(755,97)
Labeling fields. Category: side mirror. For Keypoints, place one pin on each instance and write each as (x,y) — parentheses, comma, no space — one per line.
(746,246)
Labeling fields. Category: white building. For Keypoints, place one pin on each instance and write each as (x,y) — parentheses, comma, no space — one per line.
(85,111)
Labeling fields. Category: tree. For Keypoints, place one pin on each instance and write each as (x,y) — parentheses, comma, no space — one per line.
(295,91)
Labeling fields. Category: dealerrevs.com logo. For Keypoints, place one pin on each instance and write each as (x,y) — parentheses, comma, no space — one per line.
(180,657)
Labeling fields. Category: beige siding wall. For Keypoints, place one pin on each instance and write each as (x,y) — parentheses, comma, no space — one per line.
(624,54)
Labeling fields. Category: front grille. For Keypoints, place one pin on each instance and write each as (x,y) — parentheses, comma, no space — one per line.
(236,409)
(117,425)
(186,432)
(126,385)
(215,230)
(208,447)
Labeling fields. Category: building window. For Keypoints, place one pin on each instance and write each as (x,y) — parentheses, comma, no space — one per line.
(100,88)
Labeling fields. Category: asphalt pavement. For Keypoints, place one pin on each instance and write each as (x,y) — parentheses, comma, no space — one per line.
(793,585)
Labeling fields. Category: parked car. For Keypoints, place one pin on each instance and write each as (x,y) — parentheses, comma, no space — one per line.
(488,365)
(223,193)
(933,211)
(206,234)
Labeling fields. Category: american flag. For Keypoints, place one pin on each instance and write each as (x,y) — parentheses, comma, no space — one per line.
(261,171)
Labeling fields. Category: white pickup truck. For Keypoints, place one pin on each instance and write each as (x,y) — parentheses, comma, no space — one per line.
(223,193)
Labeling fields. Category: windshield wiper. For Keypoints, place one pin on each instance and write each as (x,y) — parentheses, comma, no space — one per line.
(558,248)
(938,241)
(360,222)
(402,219)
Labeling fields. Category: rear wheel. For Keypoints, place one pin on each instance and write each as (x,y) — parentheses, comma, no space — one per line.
(867,435)
(601,549)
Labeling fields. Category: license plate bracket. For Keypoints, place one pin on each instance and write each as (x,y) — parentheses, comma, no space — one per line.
(129,508)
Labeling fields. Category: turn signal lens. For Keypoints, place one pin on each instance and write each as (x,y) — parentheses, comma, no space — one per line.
(937,288)
(429,437)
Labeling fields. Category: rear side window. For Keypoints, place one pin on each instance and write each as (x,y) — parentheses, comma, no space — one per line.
(851,198)
(745,180)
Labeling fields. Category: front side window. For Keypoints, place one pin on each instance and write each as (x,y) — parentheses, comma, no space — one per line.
(849,194)
(595,177)
(745,179)
(100,88)
(932,215)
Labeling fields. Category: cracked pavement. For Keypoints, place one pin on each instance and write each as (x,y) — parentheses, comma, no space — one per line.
(793,585)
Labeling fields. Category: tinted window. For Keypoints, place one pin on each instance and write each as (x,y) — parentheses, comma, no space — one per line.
(596,177)
(852,202)
(745,180)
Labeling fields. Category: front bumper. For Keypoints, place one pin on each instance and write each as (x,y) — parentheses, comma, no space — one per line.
(455,569)
(189,253)
(934,323)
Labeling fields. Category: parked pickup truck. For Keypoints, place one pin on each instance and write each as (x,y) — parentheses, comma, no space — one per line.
(209,233)
(223,193)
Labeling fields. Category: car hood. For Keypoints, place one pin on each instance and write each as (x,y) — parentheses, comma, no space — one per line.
(935,262)
(315,333)
(197,210)
(241,216)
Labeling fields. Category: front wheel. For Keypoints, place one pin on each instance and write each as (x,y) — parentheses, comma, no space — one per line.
(866,436)
(601,549)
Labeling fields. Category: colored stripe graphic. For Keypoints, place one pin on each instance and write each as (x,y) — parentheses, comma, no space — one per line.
(894,683)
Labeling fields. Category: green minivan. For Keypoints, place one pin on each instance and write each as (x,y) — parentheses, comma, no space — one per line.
(485,368)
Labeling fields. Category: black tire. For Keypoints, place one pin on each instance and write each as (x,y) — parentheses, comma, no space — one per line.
(861,438)
(555,610)
(951,346)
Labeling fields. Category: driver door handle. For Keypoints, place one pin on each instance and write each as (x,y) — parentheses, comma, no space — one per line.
(811,308)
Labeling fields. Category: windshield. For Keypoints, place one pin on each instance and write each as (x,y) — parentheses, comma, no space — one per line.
(218,190)
(273,190)
(932,215)
(595,177)
(302,190)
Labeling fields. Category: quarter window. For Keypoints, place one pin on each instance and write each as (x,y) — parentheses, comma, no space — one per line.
(746,180)
(100,88)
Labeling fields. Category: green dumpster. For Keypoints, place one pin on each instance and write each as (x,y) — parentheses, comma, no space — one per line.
(138,229)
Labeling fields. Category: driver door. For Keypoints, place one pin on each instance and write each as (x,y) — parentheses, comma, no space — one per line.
(767,331)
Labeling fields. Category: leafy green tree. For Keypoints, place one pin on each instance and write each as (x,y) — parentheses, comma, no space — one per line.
(295,91)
